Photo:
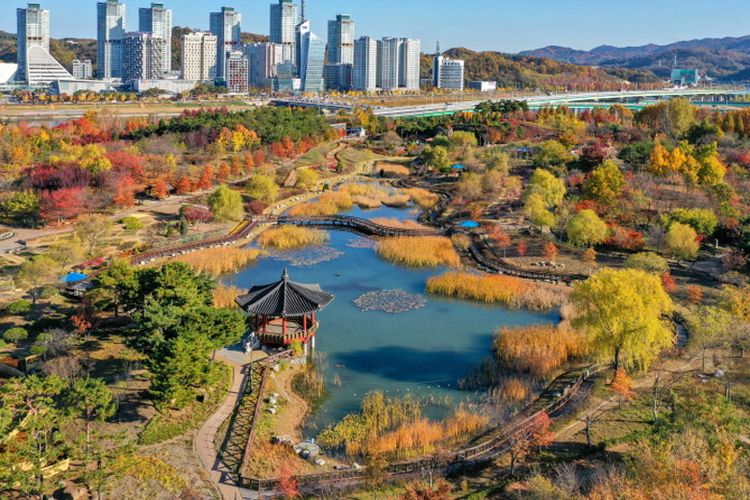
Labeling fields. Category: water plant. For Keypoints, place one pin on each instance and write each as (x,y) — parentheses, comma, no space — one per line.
(291,237)
(218,261)
(419,251)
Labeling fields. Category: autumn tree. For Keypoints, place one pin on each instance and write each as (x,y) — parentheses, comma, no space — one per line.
(606,183)
(537,212)
(263,187)
(586,228)
(226,204)
(622,311)
(36,273)
(682,241)
(707,326)
(307,179)
(550,188)
(648,261)
(91,230)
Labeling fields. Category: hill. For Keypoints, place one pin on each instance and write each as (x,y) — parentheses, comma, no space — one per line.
(524,71)
(721,58)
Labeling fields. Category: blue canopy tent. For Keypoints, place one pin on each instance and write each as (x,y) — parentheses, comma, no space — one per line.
(74,278)
(458,166)
(469,224)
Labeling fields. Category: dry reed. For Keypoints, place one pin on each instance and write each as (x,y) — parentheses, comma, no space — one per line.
(392,170)
(419,251)
(220,260)
(291,237)
(537,350)
(327,204)
(398,224)
(366,202)
(397,200)
(422,197)
(224,296)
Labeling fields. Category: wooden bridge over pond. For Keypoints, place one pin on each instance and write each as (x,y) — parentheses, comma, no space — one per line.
(348,223)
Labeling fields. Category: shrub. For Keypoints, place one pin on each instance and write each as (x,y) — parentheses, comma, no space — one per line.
(537,350)
(263,188)
(18,307)
(507,290)
(682,241)
(648,261)
(419,251)
(220,260)
(291,237)
(307,178)
(15,334)
(131,223)
(704,221)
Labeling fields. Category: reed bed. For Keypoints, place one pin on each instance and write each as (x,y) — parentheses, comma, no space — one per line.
(327,204)
(397,200)
(512,390)
(291,237)
(537,350)
(367,202)
(392,170)
(419,251)
(398,224)
(217,261)
(224,296)
(507,290)
(422,197)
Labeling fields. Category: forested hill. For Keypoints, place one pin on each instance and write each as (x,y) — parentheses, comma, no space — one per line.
(535,72)
(723,58)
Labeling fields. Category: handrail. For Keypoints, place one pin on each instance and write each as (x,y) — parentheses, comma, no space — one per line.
(356,223)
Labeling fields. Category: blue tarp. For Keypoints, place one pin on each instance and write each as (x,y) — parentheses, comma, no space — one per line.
(74,277)
(469,224)
(458,166)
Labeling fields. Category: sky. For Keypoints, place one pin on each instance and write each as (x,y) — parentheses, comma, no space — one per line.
(501,25)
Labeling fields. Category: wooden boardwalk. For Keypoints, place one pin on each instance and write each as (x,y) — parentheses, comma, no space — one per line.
(347,223)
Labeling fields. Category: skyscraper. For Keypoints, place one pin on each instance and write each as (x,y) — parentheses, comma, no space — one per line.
(111,26)
(226,26)
(312,59)
(33,30)
(283,28)
(158,20)
(409,63)
(365,74)
(237,71)
(263,59)
(389,59)
(142,57)
(341,40)
(198,61)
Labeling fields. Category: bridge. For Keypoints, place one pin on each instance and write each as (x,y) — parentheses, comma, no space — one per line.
(709,96)
(346,223)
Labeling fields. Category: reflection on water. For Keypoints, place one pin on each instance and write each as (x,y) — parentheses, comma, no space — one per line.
(422,352)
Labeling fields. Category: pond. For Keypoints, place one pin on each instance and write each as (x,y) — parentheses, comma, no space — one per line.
(423,351)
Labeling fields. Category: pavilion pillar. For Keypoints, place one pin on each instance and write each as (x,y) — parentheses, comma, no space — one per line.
(304,323)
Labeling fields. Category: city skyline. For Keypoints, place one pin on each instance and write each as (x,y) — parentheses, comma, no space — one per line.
(574,23)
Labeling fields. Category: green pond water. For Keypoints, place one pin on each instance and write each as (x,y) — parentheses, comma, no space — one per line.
(422,352)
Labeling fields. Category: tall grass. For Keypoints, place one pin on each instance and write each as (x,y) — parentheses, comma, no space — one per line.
(291,237)
(397,200)
(224,296)
(398,224)
(507,290)
(419,251)
(219,261)
(391,170)
(537,350)
(326,204)
(422,197)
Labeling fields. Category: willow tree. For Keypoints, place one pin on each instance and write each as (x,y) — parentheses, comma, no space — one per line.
(623,312)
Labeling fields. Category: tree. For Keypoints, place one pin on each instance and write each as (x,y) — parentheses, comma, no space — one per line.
(673,117)
(66,203)
(536,210)
(682,241)
(622,312)
(113,282)
(551,155)
(703,220)
(307,179)
(263,187)
(648,261)
(707,325)
(21,206)
(547,186)
(606,183)
(15,334)
(502,239)
(37,272)
(90,399)
(91,230)
(586,229)
(549,250)
(226,204)
(436,156)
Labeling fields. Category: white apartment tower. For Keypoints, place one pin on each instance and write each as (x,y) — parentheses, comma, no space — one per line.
(448,73)
(283,28)
(158,21)
(143,57)
(341,40)
(409,63)
(263,59)
(82,70)
(365,73)
(389,58)
(198,56)
(33,31)
(111,26)
(226,26)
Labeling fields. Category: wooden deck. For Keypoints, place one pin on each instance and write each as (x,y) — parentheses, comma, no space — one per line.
(346,223)
(272,333)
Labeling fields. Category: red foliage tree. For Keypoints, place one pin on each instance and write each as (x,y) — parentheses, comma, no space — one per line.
(196,214)
(549,250)
(159,189)
(125,192)
(133,164)
(626,239)
(184,185)
(236,166)
(594,154)
(259,158)
(522,248)
(62,204)
(287,484)
(206,179)
(541,433)
(669,283)
(223,172)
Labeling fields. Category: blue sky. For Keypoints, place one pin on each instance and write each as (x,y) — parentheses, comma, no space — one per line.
(503,25)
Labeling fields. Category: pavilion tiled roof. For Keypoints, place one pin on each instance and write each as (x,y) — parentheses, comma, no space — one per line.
(285,299)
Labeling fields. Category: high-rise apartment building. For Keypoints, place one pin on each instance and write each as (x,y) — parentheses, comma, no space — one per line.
(263,59)
(198,60)
(365,72)
(111,26)
(143,57)
(338,76)
(237,71)
(389,59)
(33,31)
(226,26)
(158,21)
(311,62)
(409,63)
(82,70)
(283,28)
(448,73)
(341,40)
